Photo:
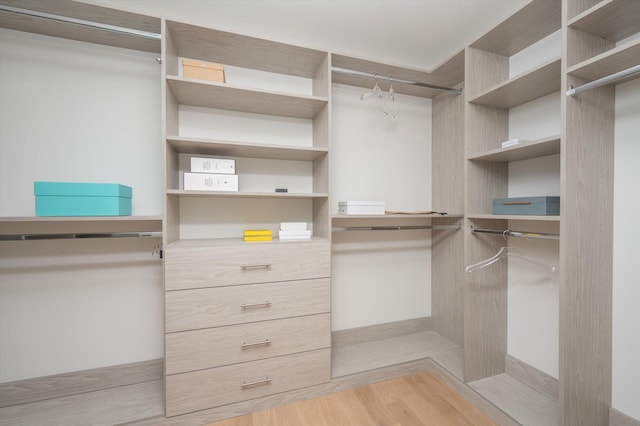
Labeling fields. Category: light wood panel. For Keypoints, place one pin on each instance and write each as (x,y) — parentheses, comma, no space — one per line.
(198,390)
(611,19)
(525,151)
(533,22)
(532,377)
(501,217)
(72,225)
(420,399)
(201,146)
(217,264)
(213,347)
(380,331)
(533,84)
(617,418)
(220,306)
(222,194)
(87,12)
(223,96)
(607,63)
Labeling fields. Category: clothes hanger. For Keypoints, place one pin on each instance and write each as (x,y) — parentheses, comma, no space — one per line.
(508,252)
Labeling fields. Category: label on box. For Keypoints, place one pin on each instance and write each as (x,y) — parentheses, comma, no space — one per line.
(213,165)
(210,182)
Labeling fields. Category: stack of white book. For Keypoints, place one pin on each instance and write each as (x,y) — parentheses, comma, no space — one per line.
(294,231)
(211,174)
(513,142)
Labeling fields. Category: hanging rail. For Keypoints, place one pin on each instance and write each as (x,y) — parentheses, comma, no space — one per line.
(394,80)
(396,228)
(602,81)
(85,235)
(510,233)
(82,22)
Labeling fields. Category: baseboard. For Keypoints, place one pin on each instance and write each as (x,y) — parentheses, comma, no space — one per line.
(77,382)
(618,418)
(532,377)
(375,332)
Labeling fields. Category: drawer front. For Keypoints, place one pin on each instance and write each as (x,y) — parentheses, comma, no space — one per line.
(248,263)
(219,306)
(203,389)
(214,347)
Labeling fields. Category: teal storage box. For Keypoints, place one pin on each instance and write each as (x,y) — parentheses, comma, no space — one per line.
(538,206)
(82,199)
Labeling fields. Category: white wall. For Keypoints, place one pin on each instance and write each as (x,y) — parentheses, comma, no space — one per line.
(380,276)
(72,111)
(626,234)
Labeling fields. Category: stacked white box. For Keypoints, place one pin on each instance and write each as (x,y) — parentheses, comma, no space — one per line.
(361,207)
(294,231)
(211,174)
(213,165)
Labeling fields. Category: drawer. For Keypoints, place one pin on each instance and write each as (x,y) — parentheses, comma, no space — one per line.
(219,306)
(202,265)
(214,347)
(198,390)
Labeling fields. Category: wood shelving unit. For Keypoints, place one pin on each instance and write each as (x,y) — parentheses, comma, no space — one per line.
(525,151)
(265,195)
(85,224)
(473,216)
(613,20)
(607,63)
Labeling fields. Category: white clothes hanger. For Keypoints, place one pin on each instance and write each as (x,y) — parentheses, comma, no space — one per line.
(390,96)
(508,252)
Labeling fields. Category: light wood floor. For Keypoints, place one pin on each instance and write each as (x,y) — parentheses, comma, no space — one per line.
(419,399)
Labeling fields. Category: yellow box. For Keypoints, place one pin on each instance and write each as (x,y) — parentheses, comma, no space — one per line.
(202,70)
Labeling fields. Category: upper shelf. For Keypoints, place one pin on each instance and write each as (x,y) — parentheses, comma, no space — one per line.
(613,20)
(241,149)
(514,217)
(85,224)
(525,151)
(223,194)
(610,62)
(540,81)
(533,22)
(76,31)
(189,91)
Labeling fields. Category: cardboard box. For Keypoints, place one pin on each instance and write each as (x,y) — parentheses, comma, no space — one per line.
(361,207)
(213,165)
(537,206)
(210,182)
(201,70)
(82,199)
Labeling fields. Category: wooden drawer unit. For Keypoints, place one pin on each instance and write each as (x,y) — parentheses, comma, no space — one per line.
(214,347)
(219,306)
(198,390)
(195,264)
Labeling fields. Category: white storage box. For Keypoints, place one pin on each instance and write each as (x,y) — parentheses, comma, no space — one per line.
(361,207)
(210,182)
(213,165)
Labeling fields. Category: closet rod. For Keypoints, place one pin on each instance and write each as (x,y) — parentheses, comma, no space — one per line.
(510,233)
(72,236)
(604,80)
(82,22)
(394,80)
(396,228)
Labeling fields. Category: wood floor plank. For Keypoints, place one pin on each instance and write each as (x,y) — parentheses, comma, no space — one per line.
(415,400)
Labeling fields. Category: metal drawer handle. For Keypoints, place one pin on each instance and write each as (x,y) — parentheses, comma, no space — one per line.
(262,382)
(245,345)
(265,304)
(256,266)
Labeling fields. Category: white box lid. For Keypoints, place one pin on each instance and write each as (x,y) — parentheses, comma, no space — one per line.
(361,203)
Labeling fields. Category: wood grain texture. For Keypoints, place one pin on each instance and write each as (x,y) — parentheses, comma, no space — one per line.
(101,408)
(375,332)
(586,257)
(525,151)
(214,347)
(420,399)
(483,70)
(532,377)
(71,225)
(617,418)
(524,404)
(198,390)
(533,84)
(609,62)
(581,46)
(224,96)
(533,22)
(244,51)
(576,7)
(236,262)
(220,306)
(611,19)
(77,382)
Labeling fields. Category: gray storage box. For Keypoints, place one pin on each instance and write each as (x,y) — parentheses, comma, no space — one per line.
(538,206)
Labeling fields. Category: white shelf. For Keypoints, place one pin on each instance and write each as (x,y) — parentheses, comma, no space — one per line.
(188,91)
(227,242)
(525,151)
(222,194)
(242,149)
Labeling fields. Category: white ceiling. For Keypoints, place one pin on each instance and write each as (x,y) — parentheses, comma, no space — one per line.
(411,33)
